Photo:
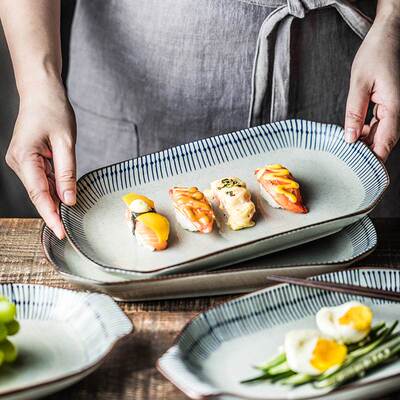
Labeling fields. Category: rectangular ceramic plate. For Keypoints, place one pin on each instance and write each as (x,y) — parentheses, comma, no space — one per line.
(218,348)
(320,256)
(341,182)
(64,336)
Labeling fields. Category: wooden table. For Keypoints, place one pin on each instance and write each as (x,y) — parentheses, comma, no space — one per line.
(129,372)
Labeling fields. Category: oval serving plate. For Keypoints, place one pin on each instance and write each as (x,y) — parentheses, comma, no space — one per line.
(64,336)
(330,253)
(218,348)
(341,183)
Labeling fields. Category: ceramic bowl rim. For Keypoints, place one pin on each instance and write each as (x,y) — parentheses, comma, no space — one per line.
(89,368)
(197,396)
(63,209)
(128,282)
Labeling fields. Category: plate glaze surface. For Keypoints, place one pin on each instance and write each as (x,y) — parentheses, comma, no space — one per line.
(218,348)
(64,336)
(329,253)
(341,182)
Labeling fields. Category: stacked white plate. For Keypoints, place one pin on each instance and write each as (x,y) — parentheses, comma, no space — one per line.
(341,184)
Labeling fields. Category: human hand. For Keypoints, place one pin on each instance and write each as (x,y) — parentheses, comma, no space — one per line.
(45,131)
(375,77)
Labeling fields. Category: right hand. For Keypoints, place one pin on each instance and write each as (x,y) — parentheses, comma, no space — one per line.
(45,131)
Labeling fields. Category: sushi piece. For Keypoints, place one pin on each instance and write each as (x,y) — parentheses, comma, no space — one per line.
(279,188)
(150,228)
(234,200)
(192,209)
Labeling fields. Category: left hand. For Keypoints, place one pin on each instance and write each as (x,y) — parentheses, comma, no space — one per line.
(375,77)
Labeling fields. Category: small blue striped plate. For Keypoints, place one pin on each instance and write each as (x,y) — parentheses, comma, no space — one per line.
(64,336)
(341,183)
(219,347)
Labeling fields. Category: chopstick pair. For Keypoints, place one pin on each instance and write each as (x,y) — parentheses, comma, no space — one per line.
(338,287)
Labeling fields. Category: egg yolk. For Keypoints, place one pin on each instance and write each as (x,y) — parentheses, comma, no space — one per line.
(130,197)
(359,317)
(157,223)
(327,353)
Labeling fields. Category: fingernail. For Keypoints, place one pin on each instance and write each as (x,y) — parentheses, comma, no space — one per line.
(59,232)
(350,135)
(60,235)
(69,197)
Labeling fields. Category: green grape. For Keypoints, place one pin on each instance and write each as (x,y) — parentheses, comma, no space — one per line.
(9,351)
(3,331)
(7,311)
(12,327)
(1,358)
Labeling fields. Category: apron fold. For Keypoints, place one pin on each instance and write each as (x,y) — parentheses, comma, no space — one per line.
(271,69)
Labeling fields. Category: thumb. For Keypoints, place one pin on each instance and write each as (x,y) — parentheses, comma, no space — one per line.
(356,109)
(386,135)
(65,169)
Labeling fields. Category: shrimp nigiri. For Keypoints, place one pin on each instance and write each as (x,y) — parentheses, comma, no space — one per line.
(192,209)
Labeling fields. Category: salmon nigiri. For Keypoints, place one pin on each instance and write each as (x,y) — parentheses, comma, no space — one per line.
(150,228)
(192,209)
(279,188)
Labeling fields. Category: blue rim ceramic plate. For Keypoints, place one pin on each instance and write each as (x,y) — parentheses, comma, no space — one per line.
(320,256)
(218,347)
(341,182)
(64,336)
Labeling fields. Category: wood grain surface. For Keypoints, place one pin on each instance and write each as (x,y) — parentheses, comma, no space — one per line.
(129,372)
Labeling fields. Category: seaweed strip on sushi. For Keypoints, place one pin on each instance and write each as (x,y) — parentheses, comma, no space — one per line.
(234,199)
(279,188)
(192,209)
(150,228)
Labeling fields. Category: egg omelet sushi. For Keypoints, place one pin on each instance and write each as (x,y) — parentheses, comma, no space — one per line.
(192,209)
(279,188)
(150,228)
(234,199)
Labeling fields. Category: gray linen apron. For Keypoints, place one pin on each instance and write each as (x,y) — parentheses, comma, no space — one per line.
(149,74)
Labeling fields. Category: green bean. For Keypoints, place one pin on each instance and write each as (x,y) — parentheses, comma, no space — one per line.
(298,379)
(374,344)
(283,375)
(375,332)
(273,362)
(279,369)
(273,374)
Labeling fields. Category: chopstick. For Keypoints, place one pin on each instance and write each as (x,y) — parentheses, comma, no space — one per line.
(338,287)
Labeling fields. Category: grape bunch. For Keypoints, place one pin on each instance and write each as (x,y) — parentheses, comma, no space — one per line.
(9,326)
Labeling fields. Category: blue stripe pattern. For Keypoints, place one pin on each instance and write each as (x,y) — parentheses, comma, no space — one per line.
(95,318)
(217,150)
(361,234)
(255,312)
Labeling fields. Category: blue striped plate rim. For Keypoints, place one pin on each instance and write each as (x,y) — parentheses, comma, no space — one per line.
(217,150)
(251,313)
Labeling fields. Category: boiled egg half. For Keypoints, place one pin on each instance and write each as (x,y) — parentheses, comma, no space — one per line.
(308,352)
(348,323)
